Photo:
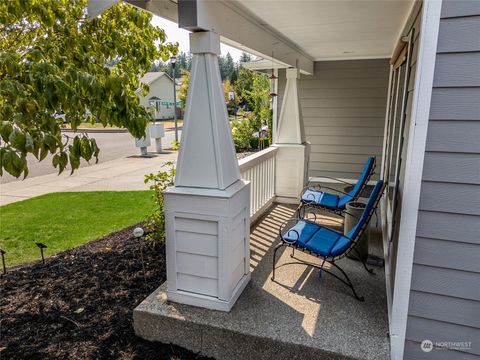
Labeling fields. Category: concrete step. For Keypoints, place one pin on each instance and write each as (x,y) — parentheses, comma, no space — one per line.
(298,316)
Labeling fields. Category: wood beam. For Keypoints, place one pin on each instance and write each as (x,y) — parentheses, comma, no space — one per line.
(235,25)
(242,30)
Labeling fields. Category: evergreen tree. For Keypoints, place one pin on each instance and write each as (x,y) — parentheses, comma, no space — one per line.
(229,67)
(245,57)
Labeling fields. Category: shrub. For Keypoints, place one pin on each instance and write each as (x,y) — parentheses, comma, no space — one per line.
(254,142)
(241,134)
(156,221)
(175,145)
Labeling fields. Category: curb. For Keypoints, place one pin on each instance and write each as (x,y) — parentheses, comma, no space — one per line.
(106,131)
(95,130)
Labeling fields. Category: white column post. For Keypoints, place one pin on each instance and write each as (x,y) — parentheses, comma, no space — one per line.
(207,211)
(291,173)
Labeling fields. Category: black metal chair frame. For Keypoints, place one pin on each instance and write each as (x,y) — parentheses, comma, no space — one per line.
(329,259)
(304,206)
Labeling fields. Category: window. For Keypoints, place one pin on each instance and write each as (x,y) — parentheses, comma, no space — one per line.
(397,122)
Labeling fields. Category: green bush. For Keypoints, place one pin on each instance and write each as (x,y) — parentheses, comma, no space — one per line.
(264,143)
(156,221)
(241,134)
(175,145)
(254,142)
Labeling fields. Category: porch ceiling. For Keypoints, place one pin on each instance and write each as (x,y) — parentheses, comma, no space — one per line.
(334,30)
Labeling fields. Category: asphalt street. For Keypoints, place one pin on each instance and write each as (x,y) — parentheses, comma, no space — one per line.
(112,146)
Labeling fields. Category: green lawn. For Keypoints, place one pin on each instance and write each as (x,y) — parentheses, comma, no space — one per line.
(64,220)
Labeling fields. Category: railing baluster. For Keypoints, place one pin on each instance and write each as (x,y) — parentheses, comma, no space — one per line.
(259,169)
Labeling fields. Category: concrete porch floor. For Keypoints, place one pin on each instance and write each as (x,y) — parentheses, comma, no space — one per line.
(299,316)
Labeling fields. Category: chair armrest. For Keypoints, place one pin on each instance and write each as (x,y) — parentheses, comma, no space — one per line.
(284,224)
(333,189)
(291,241)
(339,180)
(319,188)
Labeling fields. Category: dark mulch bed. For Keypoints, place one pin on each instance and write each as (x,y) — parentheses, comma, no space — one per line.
(79,304)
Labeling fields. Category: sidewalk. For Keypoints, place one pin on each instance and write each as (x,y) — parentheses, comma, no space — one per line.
(120,174)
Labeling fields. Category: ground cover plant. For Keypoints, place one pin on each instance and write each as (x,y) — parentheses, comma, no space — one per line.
(64,220)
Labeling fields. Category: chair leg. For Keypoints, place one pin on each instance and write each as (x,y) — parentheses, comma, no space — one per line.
(293,252)
(345,276)
(349,283)
(369,270)
(275,258)
(299,210)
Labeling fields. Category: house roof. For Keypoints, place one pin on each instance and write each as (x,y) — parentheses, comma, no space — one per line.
(150,77)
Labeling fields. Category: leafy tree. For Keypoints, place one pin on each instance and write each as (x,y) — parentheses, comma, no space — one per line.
(244,85)
(54,60)
(183,89)
(259,98)
(227,89)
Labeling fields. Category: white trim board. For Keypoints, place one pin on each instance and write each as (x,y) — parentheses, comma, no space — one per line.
(422,95)
(384,204)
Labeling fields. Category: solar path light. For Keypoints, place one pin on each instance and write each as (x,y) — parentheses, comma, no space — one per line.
(41,246)
(3,252)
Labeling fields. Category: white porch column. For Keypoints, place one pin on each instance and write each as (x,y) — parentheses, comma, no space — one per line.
(293,151)
(207,211)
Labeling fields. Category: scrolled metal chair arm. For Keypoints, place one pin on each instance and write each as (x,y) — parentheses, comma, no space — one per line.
(291,241)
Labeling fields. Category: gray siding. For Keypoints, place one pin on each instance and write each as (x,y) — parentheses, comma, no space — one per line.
(343,108)
(445,294)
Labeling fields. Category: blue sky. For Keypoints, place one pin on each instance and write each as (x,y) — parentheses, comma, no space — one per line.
(174,34)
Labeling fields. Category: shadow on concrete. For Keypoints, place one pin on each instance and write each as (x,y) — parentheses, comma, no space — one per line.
(298,316)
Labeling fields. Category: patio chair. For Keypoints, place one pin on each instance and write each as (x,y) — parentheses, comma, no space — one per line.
(315,196)
(328,244)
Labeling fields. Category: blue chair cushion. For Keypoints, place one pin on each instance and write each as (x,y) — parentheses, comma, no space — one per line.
(318,239)
(369,208)
(367,170)
(327,242)
(312,196)
(305,231)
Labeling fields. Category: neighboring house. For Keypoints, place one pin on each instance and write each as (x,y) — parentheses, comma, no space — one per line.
(160,96)
(395,79)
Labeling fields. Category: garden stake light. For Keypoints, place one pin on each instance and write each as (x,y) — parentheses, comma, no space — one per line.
(138,233)
(41,246)
(3,252)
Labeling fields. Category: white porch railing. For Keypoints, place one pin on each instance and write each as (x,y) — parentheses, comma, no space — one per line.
(259,169)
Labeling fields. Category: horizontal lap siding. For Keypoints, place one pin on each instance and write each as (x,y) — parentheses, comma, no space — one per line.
(445,292)
(343,108)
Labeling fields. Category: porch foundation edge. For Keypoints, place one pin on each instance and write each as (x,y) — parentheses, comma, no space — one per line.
(154,321)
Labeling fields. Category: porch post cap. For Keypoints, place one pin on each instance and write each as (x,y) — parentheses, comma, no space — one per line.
(293,73)
(202,42)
